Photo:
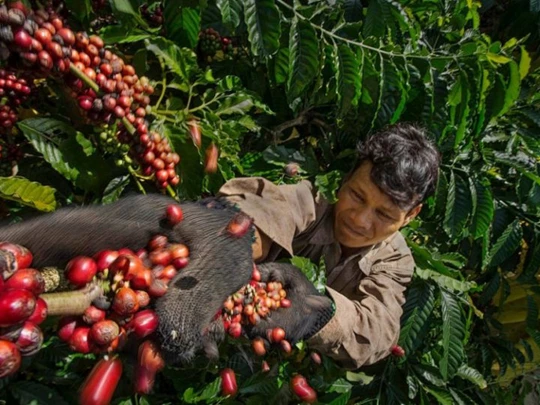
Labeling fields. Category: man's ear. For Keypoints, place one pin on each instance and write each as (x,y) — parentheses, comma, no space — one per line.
(412,214)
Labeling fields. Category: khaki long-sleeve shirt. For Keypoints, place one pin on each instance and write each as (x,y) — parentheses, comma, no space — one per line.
(367,287)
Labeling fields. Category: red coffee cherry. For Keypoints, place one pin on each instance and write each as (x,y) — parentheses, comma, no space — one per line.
(99,386)
(125,302)
(174,214)
(79,340)
(105,332)
(15,306)
(26,279)
(10,358)
(81,270)
(302,390)
(239,225)
(257,345)
(278,334)
(66,327)
(144,323)
(30,339)
(40,312)
(397,351)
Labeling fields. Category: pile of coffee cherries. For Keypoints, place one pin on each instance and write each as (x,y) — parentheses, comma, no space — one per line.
(21,308)
(106,88)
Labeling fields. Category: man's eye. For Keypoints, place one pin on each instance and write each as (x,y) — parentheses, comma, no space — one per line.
(386,216)
(357,196)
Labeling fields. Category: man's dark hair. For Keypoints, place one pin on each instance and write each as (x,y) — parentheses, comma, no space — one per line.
(405,163)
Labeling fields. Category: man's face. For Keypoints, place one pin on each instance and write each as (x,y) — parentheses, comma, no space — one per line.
(364,215)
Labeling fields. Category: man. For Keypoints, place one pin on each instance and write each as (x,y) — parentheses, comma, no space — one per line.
(367,261)
(368,264)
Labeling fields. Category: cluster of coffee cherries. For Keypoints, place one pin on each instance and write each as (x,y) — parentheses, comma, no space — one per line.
(251,303)
(153,14)
(13,92)
(106,88)
(21,308)
(130,280)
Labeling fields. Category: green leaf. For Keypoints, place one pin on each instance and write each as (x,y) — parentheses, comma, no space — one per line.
(463,110)
(512,87)
(182,23)
(30,392)
(65,154)
(453,335)
(458,206)
(353,10)
(416,311)
(124,10)
(230,11)
(179,60)
(485,207)
(507,244)
(378,18)
(116,34)
(314,273)
(28,193)
(445,281)
(303,59)
(115,188)
(349,77)
(267,386)
(328,184)
(81,9)
(240,103)
(473,375)
(281,65)
(524,63)
(532,265)
(263,24)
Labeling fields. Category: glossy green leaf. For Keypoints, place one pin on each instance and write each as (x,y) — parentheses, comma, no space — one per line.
(416,311)
(182,23)
(349,77)
(263,24)
(28,192)
(30,392)
(473,375)
(114,189)
(453,333)
(230,11)
(485,208)
(116,34)
(506,244)
(458,206)
(303,58)
(181,61)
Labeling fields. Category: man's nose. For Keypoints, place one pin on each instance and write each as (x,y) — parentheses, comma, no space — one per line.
(362,219)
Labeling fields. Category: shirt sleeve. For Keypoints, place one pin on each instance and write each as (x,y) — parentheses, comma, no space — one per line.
(363,330)
(279,211)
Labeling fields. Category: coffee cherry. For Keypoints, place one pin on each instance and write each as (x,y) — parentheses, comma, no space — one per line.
(211,159)
(143,298)
(228,382)
(23,256)
(30,339)
(144,323)
(99,386)
(105,258)
(316,358)
(174,214)
(158,288)
(15,306)
(258,346)
(104,332)
(67,35)
(285,346)
(79,340)
(239,225)
(302,390)
(66,327)
(150,356)
(92,315)
(125,302)
(10,358)
(397,351)
(291,169)
(278,334)
(40,312)
(235,330)
(22,39)
(26,279)
(81,270)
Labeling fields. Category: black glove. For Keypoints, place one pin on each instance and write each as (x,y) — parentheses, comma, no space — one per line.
(309,312)
(219,264)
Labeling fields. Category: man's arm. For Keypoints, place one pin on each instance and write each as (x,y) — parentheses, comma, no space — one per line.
(363,330)
(261,246)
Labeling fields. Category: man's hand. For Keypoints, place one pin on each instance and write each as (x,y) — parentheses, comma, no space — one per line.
(219,263)
(309,311)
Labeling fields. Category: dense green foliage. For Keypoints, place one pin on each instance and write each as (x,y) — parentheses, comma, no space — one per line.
(303,81)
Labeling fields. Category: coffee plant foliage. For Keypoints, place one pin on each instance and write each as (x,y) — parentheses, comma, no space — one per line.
(272,82)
